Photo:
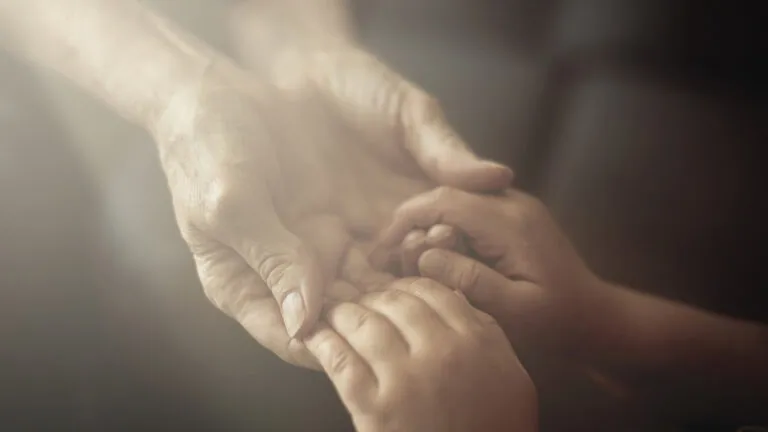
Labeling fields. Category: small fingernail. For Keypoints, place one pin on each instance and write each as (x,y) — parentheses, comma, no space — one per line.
(294,313)
(440,233)
(414,239)
(502,170)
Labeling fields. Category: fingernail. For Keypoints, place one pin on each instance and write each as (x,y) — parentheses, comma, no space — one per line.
(496,165)
(439,233)
(504,173)
(500,168)
(294,313)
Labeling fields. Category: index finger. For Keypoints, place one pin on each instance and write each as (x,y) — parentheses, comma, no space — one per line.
(231,286)
(348,371)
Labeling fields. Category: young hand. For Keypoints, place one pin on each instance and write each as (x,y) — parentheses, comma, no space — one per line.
(419,357)
(530,279)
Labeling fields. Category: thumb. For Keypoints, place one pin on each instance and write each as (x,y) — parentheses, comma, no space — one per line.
(289,269)
(487,289)
(294,277)
(442,154)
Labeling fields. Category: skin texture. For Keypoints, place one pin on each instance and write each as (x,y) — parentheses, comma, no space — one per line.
(274,177)
(418,357)
(669,357)
(328,185)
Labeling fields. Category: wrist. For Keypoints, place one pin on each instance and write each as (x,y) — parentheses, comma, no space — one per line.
(176,112)
(262,31)
(184,77)
(624,331)
(602,322)
(186,64)
(601,336)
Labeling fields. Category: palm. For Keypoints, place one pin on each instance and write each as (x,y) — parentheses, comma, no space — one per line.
(344,161)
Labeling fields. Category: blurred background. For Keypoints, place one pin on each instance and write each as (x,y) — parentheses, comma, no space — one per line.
(636,121)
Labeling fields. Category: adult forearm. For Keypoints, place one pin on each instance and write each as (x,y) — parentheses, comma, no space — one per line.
(117,50)
(672,353)
(262,30)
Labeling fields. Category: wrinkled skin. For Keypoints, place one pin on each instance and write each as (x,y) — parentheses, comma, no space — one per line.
(278,186)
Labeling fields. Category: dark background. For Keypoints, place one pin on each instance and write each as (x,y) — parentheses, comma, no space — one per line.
(637,121)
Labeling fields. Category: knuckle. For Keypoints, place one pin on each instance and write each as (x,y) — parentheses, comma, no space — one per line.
(363,320)
(417,286)
(388,296)
(340,365)
(238,302)
(422,107)
(217,299)
(220,203)
(430,108)
(339,362)
(387,401)
(189,232)
(216,290)
(468,276)
(220,297)
(273,268)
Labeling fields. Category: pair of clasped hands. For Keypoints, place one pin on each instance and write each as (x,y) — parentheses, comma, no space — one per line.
(332,211)
(339,211)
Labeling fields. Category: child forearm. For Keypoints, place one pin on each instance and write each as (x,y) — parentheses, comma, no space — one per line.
(659,347)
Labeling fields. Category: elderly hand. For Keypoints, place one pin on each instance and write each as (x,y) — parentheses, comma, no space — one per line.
(418,357)
(270,178)
(272,182)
